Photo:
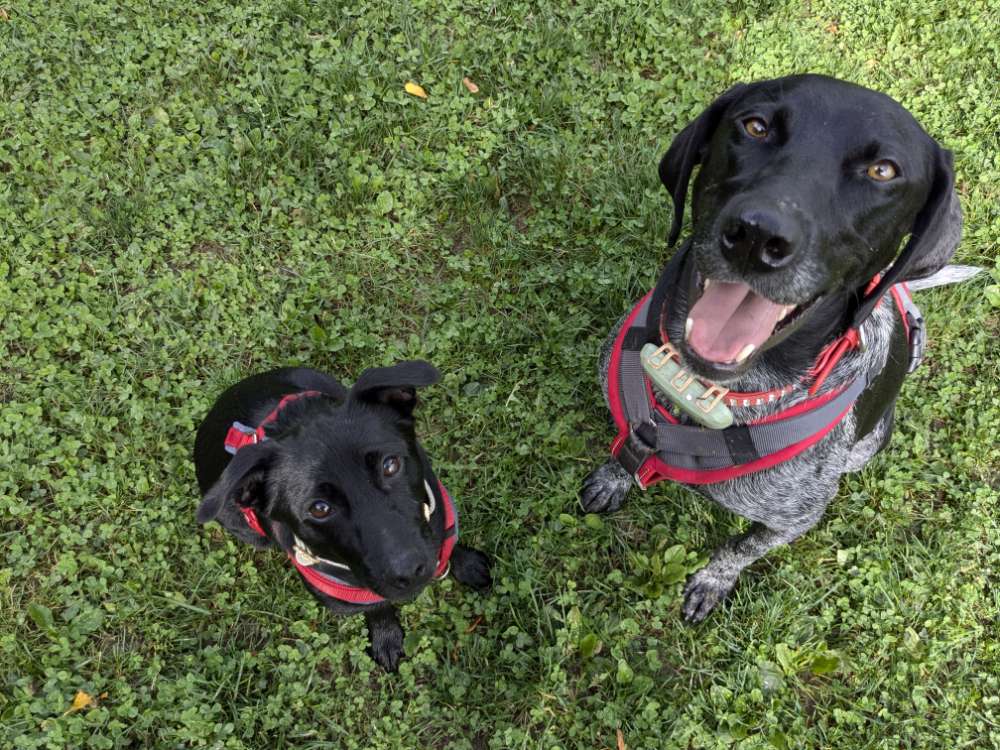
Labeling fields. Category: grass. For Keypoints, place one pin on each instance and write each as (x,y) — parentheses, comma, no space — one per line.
(194,191)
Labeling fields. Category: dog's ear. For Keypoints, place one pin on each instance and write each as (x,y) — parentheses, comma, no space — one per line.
(244,481)
(395,386)
(937,230)
(688,150)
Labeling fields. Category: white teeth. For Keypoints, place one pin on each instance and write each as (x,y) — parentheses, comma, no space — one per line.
(687,328)
(745,352)
(707,282)
(784,312)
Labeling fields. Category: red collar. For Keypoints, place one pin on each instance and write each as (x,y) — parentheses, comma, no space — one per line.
(240,435)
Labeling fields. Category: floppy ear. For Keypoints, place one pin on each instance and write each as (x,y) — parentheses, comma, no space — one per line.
(395,386)
(688,150)
(244,481)
(937,230)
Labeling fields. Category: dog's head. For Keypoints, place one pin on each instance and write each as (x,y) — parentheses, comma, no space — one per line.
(807,187)
(348,479)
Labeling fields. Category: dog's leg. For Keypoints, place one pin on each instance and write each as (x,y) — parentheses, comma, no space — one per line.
(471,568)
(386,637)
(605,488)
(710,585)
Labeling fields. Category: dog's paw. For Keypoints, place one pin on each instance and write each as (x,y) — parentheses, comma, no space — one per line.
(605,488)
(386,645)
(471,568)
(703,592)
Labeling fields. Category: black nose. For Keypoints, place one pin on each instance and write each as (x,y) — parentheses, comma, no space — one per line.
(408,572)
(760,240)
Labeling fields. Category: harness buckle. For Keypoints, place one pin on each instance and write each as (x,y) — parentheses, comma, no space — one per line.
(682,380)
(663,355)
(634,452)
(917,340)
(238,436)
(711,398)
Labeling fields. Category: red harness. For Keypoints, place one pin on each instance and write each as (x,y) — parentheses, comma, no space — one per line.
(240,435)
(653,445)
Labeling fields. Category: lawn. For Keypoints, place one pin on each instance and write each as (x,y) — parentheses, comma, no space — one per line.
(194,191)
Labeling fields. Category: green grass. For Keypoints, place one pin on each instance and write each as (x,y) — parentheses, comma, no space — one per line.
(190,192)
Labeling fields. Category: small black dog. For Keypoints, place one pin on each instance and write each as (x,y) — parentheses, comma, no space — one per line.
(807,187)
(337,480)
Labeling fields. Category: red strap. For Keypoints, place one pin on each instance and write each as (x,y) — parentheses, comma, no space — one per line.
(450,532)
(281,405)
(252,522)
(897,292)
(830,356)
(340,591)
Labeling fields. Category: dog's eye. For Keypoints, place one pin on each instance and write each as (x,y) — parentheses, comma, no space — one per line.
(883,171)
(391,466)
(320,509)
(755,127)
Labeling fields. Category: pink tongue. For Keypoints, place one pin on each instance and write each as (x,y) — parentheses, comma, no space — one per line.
(727,318)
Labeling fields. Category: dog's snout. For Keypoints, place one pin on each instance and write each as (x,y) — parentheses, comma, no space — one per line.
(759,240)
(409,571)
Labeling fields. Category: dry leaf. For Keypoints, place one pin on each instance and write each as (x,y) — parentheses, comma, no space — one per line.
(81,701)
(473,88)
(621,739)
(832,27)
(4,15)
(414,89)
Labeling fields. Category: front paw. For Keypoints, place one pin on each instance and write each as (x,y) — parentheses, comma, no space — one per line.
(386,645)
(605,488)
(471,568)
(704,590)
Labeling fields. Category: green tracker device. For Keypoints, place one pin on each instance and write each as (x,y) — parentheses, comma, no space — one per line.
(686,391)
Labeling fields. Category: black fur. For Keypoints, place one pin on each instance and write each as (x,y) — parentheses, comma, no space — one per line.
(332,448)
(821,229)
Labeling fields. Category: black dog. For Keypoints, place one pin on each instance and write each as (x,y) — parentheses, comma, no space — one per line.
(337,480)
(807,187)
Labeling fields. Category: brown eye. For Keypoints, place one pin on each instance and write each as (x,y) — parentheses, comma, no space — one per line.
(755,127)
(882,171)
(391,466)
(320,509)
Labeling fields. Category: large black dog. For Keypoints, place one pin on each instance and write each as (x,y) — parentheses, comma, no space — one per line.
(807,188)
(336,479)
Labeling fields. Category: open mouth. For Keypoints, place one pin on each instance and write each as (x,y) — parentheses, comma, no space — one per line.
(729,321)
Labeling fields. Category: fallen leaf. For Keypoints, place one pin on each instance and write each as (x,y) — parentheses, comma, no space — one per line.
(81,701)
(414,89)
(4,15)
(621,739)
(832,27)
(473,88)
